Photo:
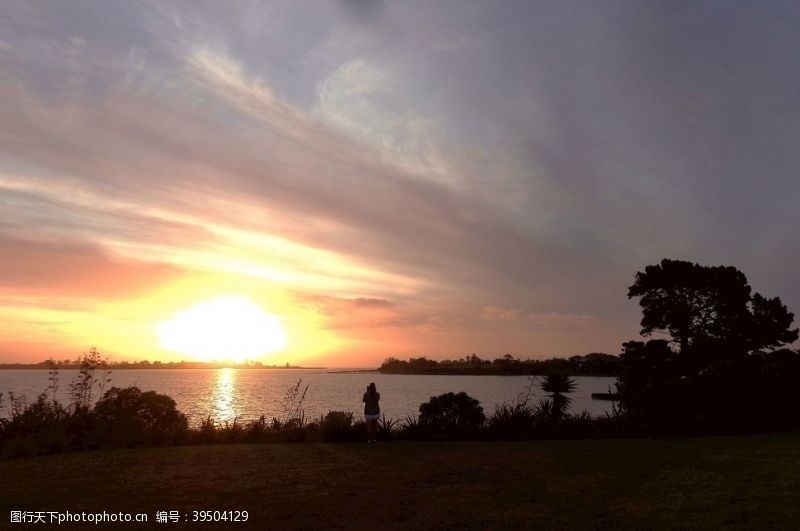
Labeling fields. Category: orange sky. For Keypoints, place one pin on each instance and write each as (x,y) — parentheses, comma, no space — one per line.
(66,298)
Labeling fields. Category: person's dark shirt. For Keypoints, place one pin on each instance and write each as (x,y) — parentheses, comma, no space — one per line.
(371,400)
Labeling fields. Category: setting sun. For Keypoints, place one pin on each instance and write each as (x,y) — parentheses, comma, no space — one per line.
(226,328)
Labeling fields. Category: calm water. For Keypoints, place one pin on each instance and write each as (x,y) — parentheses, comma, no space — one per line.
(228,393)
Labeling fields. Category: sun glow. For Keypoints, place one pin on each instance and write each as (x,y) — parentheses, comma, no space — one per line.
(223,329)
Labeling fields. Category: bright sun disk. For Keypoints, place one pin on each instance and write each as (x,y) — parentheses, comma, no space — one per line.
(226,328)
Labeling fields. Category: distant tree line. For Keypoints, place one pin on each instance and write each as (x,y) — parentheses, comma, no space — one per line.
(594,364)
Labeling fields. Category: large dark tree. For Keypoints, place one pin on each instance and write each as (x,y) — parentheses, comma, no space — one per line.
(728,374)
(709,307)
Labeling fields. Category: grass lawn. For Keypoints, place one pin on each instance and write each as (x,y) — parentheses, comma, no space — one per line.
(740,482)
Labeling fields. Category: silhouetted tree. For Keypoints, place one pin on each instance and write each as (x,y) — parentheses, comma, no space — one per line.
(722,376)
(653,385)
(558,386)
(709,307)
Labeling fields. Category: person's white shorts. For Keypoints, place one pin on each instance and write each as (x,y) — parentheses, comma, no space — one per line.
(372,417)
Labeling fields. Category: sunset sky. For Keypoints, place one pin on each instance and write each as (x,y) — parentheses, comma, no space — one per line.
(384,178)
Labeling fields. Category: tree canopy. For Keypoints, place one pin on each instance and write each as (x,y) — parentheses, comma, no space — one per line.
(709,307)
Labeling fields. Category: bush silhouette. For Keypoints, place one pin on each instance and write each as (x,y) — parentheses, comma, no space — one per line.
(129,417)
(36,429)
(451,415)
(511,420)
(337,426)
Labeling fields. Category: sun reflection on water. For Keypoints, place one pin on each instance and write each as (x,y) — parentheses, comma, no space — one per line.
(224,394)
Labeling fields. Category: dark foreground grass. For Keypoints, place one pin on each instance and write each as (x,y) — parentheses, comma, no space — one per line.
(740,482)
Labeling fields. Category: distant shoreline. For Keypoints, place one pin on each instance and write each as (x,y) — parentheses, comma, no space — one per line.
(592,364)
(480,372)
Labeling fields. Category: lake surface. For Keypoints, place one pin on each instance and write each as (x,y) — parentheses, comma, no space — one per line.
(249,393)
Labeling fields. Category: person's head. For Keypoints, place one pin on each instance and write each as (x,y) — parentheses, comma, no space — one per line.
(371,388)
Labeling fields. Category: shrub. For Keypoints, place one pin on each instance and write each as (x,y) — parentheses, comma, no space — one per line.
(451,415)
(36,429)
(387,428)
(257,430)
(232,431)
(293,430)
(130,417)
(337,426)
(514,419)
(410,428)
(207,432)
(511,420)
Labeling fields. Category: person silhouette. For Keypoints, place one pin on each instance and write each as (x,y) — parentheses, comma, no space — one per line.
(372,411)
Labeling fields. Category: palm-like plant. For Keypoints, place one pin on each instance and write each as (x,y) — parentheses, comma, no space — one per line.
(558,386)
